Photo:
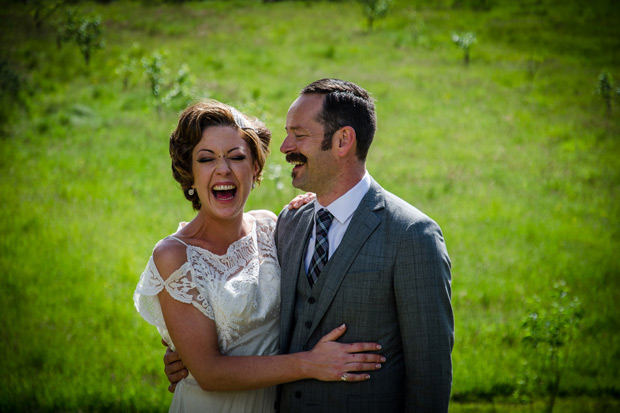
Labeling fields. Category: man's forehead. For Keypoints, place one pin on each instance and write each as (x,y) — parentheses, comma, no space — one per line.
(297,128)
(305,107)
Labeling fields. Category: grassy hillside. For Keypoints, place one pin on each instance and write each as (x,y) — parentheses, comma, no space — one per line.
(514,155)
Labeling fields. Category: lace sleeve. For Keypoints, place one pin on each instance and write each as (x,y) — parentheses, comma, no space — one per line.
(147,303)
(188,284)
(180,285)
(145,297)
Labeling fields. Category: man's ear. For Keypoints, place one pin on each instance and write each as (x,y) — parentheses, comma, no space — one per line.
(345,140)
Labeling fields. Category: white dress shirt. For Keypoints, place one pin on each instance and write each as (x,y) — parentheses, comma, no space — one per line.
(342,209)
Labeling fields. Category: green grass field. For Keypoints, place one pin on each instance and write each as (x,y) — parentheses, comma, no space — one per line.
(514,155)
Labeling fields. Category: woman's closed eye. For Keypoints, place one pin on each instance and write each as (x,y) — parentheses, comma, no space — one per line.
(237,158)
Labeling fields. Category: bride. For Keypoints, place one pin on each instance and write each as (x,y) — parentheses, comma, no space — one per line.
(212,289)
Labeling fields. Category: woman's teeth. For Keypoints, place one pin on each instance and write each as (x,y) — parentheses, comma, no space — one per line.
(223,187)
(224,192)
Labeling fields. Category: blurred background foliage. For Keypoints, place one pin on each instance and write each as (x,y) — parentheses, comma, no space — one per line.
(499,119)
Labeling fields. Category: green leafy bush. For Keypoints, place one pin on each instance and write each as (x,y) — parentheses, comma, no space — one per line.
(465,42)
(605,89)
(550,328)
(89,36)
(154,70)
(374,10)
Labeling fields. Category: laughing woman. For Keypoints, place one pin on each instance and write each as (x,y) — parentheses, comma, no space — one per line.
(213,288)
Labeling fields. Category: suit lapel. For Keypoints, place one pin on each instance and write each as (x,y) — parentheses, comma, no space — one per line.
(290,270)
(363,223)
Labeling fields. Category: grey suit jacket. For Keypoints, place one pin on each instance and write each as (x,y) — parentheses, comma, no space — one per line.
(389,281)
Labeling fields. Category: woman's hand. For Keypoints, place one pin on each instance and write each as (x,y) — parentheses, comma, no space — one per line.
(301,200)
(333,361)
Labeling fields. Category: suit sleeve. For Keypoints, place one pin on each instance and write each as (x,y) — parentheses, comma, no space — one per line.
(422,288)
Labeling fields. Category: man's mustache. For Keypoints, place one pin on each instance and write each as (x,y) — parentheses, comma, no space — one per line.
(296,157)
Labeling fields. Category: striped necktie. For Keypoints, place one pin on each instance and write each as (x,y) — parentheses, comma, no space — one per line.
(321,246)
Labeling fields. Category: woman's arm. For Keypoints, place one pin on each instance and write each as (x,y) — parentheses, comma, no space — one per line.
(195,338)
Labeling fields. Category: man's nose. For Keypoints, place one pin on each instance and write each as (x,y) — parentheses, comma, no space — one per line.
(287,145)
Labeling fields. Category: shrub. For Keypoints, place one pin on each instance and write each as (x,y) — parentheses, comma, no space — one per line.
(181,93)
(550,327)
(86,31)
(154,70)
(129,64)
(375,9)
(604,89)
(10,86)
(464,42)
(43,10)
(67,28)
(89,36)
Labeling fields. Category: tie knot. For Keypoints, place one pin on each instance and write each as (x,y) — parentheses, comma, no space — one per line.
(324,218)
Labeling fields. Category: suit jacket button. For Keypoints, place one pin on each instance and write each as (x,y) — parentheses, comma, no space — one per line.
(311,300)
(308,324)
(298,395)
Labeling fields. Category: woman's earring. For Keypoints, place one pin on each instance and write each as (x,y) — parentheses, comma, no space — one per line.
(191,191)
(253,185)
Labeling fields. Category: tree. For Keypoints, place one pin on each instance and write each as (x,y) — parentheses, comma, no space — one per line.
(464,42)
(89,36)
(86,31)
(549,332)
(375,9)
(67,28)
(604,89)
(42,10)
(154,70)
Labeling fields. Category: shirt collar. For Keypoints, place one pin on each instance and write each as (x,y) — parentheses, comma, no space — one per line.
(343,207)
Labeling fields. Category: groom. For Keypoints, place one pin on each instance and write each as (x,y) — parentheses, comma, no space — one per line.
(362,256)
(388,272)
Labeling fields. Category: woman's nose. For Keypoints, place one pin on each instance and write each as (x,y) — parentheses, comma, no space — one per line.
(222,165)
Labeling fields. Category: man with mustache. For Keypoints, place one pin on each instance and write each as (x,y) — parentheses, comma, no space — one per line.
(359,255)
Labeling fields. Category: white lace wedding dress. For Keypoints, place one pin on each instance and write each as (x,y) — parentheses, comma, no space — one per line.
(240,291)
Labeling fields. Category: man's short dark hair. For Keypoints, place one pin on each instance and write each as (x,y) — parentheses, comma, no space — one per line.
(345,104)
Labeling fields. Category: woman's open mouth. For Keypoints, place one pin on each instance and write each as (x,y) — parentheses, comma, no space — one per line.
(224,192)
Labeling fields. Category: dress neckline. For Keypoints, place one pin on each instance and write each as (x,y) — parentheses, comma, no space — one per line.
(246,239)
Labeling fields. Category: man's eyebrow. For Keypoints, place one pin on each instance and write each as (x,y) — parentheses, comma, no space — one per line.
(294,128)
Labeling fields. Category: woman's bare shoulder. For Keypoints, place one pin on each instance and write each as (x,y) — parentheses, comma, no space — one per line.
(169,255)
